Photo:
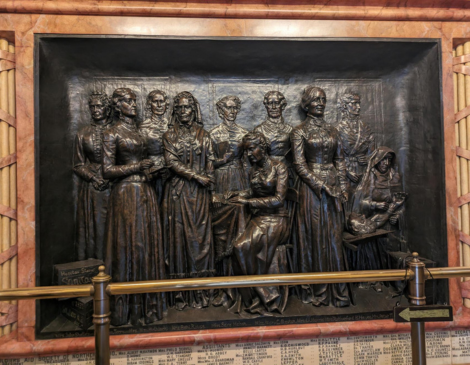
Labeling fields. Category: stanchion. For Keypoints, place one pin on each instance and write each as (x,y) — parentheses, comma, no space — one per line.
(417,297)
(101,317)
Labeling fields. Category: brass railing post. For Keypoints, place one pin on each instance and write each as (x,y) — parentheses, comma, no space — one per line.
(101,317)
(417,297)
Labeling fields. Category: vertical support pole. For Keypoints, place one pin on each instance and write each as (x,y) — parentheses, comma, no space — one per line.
(101,318)
(417,297)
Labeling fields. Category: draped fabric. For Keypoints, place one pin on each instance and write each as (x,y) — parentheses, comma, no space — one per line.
(92,203)
(358,141)
(228,221)
(260,249)
(189,248)
(319,162)
(133,231)
(152,130)
(377,187)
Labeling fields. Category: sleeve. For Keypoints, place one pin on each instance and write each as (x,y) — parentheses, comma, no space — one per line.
(340,164)
(79,160)
(210,158)
(173,161)
(277,200)
(367,205)
(110,169)
(218,160)
(372,144)
(300,163)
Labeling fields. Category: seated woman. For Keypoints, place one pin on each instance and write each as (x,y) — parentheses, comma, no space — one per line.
(376,198)
(260,248)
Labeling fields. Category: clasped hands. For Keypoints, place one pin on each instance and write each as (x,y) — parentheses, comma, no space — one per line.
(99,184)
(335,193)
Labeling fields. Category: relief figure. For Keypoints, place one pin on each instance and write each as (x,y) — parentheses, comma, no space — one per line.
(189,154)
(133,231)
(261,248)
(378,195)
(228,220)
(322,188)
(152,129)
(277,133)
(93,193)
(357,140)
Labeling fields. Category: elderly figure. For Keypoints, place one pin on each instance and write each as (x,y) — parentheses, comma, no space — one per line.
(228,220)
(260,248)
(152,130)
(319,162)
(189,249)
(357,139)
(133,232)
(377,194)
(93,193)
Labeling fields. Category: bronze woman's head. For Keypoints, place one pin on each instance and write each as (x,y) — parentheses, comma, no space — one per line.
(157,103)
(124,103)
(186,109)
(99,105)
(228,107)
(256,146)
(350,104)
(275,103)
(314,101)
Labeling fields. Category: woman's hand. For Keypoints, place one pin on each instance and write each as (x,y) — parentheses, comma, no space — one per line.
(205,181)
(344,197)
(100,184)
(238,200)
(362,160)
(352,176)
(331,191)
(230,194)
(394,219)
(145,164)
(381,205)
(216,201)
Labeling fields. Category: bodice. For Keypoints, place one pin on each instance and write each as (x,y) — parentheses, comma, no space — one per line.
(278,136)
(152,131)
(228,139)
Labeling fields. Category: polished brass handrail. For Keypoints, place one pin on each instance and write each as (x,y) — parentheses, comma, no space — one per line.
(136,287)
(102,289)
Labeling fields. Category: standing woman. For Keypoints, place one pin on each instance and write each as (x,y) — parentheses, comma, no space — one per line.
(152,130)
(133,237)
(93,194)
(319,162)
(189,249)
(228,220)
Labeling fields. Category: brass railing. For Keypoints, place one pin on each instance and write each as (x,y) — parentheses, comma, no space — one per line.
(102,289)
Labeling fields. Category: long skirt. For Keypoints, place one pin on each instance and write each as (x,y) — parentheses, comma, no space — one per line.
(189,249)
(228,222)
(261,250)
(319,229)
(92,207)
(134,251)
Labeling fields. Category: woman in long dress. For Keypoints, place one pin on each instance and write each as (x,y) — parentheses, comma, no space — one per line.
(261,249)
(133,235)
(228,221)
(189,248)
(94,190)
(319,161)
(153,129)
